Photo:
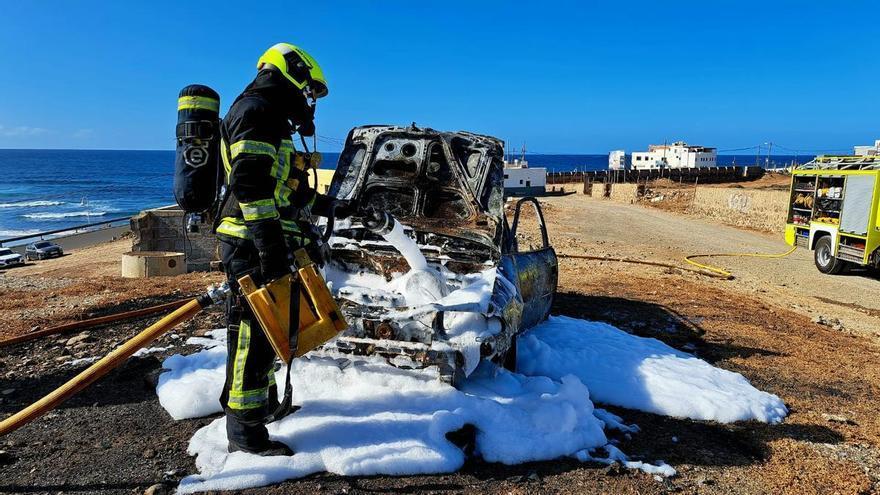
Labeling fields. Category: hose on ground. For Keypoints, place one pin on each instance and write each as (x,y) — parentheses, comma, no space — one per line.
(93,322)
(724,273)
(102,366)
(644,262)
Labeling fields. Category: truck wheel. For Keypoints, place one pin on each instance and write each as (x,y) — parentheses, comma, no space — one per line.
(825,260)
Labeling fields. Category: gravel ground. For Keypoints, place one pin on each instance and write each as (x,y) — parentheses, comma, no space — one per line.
(115,438)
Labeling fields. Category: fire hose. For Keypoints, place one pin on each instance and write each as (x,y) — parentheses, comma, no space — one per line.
(726,274)
(704,268)
(642,262)
(93,322)
(103,366)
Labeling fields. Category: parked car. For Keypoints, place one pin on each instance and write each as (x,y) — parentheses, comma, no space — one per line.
(448,188)
(9,258)
(42,250)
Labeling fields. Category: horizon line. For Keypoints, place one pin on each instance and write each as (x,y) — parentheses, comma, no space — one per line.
(763,154)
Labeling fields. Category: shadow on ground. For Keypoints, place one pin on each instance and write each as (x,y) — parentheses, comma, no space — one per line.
(131,383)
(647,319)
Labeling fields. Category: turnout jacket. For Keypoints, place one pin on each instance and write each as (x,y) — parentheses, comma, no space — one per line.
(269,194)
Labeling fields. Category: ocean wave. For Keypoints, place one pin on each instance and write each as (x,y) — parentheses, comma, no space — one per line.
(68,214)
(31,204)
(16,233)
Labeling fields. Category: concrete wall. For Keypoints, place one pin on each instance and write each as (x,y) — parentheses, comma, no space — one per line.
(624,193)
(757,209)
(163,229)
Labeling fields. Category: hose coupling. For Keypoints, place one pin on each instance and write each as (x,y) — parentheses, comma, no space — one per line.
(380,222)
(215,294)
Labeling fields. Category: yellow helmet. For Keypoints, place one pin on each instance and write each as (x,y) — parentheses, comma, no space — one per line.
(297,66)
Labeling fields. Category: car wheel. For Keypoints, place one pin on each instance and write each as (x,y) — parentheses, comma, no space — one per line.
(824,257)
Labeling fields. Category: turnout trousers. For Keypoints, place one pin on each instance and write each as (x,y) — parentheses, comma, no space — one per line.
(250,395)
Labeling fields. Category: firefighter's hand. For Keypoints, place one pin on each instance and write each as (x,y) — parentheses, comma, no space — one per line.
(274,267)
(272,249)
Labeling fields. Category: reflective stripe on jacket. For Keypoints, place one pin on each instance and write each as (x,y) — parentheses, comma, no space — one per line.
(266,179)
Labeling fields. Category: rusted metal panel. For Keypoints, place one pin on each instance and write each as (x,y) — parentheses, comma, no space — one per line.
(537,274)
(442,182)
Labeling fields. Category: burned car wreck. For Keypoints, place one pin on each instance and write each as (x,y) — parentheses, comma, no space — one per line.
(465,290)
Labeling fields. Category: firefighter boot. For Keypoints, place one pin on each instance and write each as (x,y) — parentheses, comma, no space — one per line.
(253,439)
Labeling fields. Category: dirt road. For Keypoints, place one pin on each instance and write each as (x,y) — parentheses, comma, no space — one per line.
(115,438)
(609,228)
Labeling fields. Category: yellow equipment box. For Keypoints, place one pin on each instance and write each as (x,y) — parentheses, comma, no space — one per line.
(319,317)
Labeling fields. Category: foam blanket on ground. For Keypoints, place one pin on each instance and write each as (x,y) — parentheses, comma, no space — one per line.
(366,417)
(643,374)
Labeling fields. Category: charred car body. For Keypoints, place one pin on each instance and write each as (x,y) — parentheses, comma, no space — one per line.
(448,188)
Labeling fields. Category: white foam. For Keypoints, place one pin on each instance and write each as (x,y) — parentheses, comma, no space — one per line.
(31,204)
(616,455)
(192,385)
(17,233)
(644,374)
(69,214)
(146,351)
(407,247)
(370,418)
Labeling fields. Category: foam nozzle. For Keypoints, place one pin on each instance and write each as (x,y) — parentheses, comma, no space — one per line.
(380,222)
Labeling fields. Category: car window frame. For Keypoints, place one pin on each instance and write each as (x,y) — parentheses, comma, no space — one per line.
(545,238)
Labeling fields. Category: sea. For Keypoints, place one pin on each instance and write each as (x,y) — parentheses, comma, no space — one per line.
(43,190)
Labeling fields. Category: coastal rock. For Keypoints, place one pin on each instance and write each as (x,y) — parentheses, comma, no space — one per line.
(81,338)
(837,418)
(834,323)
(157,489)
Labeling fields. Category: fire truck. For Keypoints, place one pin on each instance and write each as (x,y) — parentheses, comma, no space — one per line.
(833,211)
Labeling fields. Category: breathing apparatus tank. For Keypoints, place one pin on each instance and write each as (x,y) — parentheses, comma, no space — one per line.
(198,174)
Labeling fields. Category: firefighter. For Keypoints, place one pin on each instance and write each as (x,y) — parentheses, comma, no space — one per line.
(265,217)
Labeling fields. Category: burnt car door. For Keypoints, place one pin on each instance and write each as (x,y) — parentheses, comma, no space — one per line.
(536,266)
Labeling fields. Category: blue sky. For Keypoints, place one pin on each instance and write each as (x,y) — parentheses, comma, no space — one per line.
(563,77)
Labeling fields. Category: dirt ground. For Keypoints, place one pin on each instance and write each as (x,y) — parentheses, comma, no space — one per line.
(115,438)
(780,182)
(83,284)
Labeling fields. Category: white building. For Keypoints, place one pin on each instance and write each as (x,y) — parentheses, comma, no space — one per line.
(617,160)
(676,155)
(522,180)
(868,150)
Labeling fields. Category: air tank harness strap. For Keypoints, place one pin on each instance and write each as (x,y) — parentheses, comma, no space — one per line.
(286,406)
